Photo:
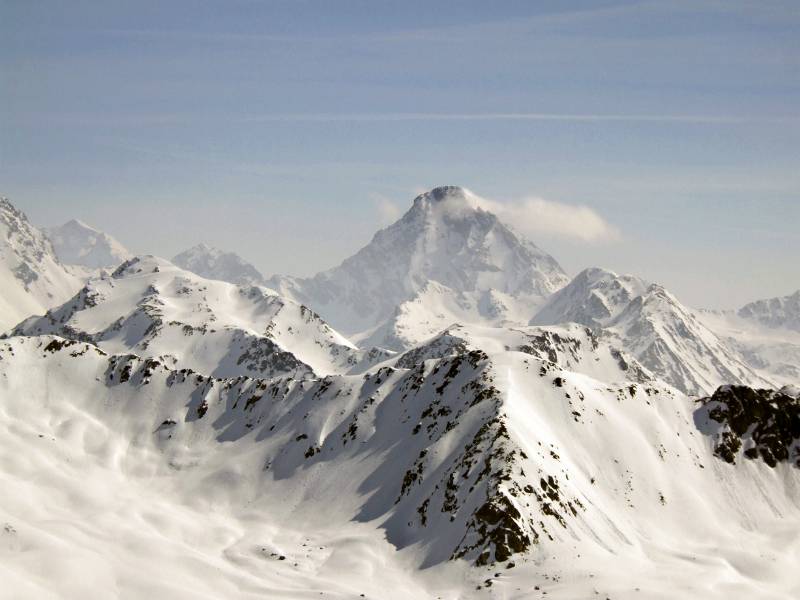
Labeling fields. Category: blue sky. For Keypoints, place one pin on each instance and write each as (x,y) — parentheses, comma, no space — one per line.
(290,130)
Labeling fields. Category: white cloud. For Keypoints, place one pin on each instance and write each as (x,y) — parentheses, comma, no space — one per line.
(539,217)
(389,211)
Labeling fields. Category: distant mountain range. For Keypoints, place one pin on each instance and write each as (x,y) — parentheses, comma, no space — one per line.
(445,410)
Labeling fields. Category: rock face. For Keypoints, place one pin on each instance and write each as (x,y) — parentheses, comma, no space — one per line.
(775,312)
(150,307)
(647,321)
(445,260)
(213,263)
(757,424)
(31,277)
(77,243)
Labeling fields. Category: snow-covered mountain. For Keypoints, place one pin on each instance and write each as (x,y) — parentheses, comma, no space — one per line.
(766,333)
(150,307)
(446,260)
(775,313)
(224,439)
(593,298)
(31,277)
(668,338)
(213,263)
(482,473)
(76,243)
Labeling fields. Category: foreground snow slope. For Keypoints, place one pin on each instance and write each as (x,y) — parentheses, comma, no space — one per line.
(445,260)
(31,277)
(150,307)
(125,477)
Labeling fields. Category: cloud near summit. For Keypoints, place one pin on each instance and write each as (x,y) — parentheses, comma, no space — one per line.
(537,216)
(532,216)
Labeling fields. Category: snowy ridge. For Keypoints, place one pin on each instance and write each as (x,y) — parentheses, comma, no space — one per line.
(478,458)
(570,347)
(212,263)
(669,339)
(445,249)
(76,243)
(31,277)
(150,307)
(225,439)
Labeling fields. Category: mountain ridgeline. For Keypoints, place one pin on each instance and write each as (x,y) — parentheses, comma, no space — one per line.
(446,408)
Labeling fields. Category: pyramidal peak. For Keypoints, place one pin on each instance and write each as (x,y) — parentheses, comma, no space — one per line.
(445,237)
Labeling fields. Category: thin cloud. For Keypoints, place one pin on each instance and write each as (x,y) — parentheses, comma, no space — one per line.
(160,119)
(571,117)
(389,211)
(540,217)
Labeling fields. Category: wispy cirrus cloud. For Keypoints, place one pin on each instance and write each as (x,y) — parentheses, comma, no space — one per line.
(526,116)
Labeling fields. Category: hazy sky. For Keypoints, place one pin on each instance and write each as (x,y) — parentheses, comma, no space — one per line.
(289,131)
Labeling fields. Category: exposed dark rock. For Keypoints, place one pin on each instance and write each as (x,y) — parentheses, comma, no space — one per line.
(765,423)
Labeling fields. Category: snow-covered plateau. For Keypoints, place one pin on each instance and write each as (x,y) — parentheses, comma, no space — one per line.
(445,415)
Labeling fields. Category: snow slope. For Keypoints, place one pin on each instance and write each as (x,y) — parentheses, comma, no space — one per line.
(445,260)
(31,277)
(76,243)
(150,307)
(668,338)
(213,263)
(481,474)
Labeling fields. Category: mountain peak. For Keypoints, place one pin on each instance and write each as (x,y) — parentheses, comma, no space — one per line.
(78,243)
(78,224)
(444,192)
(483,269)
(446,196)
(213,263)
